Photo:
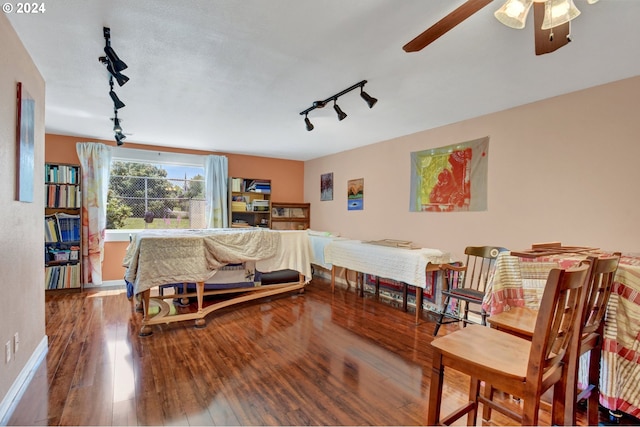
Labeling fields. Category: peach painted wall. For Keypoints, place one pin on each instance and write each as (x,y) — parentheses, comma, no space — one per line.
(562,169)
(22,229)
(286,181)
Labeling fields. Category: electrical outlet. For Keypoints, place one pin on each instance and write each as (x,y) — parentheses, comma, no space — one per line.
(7,351)
(16,342)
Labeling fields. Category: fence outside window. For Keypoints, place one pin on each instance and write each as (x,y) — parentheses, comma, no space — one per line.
(137,202)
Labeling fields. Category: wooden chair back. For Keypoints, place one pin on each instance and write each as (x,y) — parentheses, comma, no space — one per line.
(601,280)
(478,266)
(466,284)
(559,320)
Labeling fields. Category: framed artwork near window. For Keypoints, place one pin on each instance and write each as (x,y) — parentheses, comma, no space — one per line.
(25,141)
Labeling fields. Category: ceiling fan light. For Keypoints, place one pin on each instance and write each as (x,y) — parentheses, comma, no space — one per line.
(592,1)
(513,13)
(558,12)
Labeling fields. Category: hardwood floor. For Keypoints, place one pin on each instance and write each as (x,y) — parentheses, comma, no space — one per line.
(312,359)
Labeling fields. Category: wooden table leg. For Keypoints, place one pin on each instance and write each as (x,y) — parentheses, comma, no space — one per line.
(333,278)
(200,323)
(145,331)
(405,295)
(418,304)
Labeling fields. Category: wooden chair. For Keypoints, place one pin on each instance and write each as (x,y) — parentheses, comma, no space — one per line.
(519,367)
(520,321)
(466,284)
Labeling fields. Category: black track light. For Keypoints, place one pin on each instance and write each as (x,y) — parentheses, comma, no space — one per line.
(114,66)
(371,101)
(117,104)
(341,114)
(116,125)
(120,137)
(118,64)
(120,78)
(308,123)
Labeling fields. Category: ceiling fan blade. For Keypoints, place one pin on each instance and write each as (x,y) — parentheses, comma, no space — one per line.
(445,24)
(542,37)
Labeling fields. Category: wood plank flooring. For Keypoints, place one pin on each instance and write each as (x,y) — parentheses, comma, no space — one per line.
(300,359)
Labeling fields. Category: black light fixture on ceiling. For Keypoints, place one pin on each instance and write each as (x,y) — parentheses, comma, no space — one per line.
(116,122)
(341,114)
(308,123)
(111,61)
(120,137)
(117,104)
(114,66)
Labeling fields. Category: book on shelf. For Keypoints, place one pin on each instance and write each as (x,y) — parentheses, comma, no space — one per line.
(62,276)
(236,184)
(50,229)
(68,227)
(62,174)
(62,196)
(259,186)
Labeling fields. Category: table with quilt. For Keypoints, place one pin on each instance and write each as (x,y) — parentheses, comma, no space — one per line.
(405,265)
(160,257)
(519,282)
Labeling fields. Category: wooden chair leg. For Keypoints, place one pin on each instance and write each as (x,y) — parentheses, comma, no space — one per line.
(435,390)
(594,379)
(442,313)
(474,391)
(489,392)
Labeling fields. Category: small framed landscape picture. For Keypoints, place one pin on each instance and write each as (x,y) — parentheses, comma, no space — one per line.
(326,186)
(355,194)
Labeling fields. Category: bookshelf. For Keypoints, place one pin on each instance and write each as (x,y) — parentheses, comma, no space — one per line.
(290,216)
(62,227)
(249,202)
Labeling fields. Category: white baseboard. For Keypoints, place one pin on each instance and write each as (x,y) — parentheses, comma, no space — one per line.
(13,396)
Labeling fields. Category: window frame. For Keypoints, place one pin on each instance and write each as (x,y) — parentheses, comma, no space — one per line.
(122,154)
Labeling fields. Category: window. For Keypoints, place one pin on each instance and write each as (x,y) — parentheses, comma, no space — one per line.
(154,190)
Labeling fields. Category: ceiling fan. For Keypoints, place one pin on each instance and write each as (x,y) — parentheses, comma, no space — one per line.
(546,40)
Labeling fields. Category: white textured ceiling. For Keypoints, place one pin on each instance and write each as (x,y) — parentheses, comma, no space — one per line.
(233,75)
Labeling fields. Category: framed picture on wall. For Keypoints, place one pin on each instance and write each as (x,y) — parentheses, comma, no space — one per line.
(355,194)
(25,140)
(326,186)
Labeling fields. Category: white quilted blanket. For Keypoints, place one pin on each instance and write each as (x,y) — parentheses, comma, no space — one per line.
(403,265)
(158,257)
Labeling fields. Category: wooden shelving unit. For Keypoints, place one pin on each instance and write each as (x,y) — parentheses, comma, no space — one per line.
(290,216)
(249,202)
(63,225)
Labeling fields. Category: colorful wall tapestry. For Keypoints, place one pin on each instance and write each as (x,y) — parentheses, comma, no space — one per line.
(451,178)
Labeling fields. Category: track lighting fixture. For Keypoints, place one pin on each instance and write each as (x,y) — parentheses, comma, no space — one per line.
(111,61)
(371,101)
(308,123)
(120,137)
(117,104)
(341,114)
(116,122)
(114,66)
